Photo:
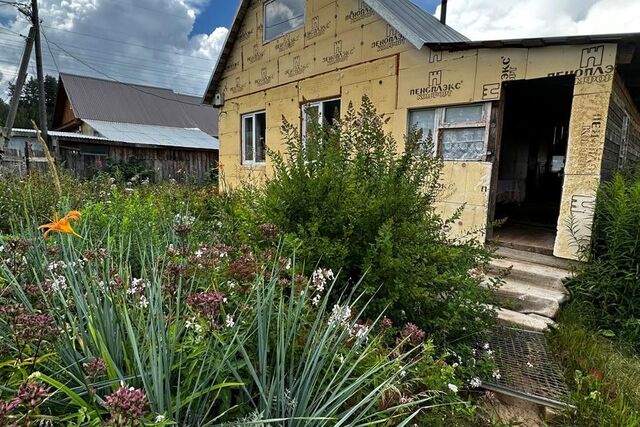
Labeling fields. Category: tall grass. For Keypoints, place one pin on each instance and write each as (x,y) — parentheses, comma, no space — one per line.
(609,282)
(602,374)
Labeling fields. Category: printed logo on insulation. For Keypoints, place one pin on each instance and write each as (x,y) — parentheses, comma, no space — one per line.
(339,55)
(392,39)
(287,42)
(591,68)
(238,86)
(265,78)
(435,87)
(297,67)
(257,55)
(507,72)
(363,12)
(317,29)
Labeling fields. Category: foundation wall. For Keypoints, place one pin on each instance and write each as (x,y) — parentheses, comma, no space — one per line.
(345,50)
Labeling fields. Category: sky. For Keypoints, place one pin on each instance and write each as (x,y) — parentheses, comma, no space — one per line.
(175,43)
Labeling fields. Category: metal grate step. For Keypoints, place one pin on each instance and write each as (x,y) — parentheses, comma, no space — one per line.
(527,369)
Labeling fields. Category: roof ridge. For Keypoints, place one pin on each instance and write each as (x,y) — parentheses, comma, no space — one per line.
(118,82)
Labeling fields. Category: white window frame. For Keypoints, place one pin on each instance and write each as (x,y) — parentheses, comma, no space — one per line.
(320,105)
(264,22)
(441,124)
(242,141)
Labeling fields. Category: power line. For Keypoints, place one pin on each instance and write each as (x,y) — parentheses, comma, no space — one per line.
(119,55)
(109,60)
(50,52)
(128,84)
(128,43)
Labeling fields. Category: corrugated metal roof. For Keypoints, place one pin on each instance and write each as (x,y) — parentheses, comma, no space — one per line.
(109,101)
(57,134)
(191,138)
(127,133)
(413,22)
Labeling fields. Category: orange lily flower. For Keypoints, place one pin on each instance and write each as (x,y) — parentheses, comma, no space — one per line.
(61,225)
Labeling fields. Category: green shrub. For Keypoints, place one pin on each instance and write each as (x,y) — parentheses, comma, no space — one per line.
(357,202)
(609,281)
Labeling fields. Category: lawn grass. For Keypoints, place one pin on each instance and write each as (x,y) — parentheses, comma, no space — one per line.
(603,375)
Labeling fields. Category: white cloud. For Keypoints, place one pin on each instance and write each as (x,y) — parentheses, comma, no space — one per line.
(506,19)
(159,47)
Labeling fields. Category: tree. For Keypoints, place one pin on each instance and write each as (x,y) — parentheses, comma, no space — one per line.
(29,99)
(4,110)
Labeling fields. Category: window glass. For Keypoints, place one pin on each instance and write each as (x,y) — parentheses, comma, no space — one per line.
(424,120)
(248,138)
(282,16)
(463,144)
(465,113)
(260,136)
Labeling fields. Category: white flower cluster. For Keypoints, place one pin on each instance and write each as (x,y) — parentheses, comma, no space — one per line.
(229,321)
(197,328)
(59,283)
(340,315)
(320,277)
(136,286)
(184,219)
(475,382)
(359,332)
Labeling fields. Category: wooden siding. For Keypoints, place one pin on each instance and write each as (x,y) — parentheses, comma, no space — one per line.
(85,160)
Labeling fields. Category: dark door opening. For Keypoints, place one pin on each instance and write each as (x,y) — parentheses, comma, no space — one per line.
(532,159)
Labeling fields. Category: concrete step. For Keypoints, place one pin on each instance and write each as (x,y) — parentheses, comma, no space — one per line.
(534,258)
(541,276)
(529,299)
(531,322)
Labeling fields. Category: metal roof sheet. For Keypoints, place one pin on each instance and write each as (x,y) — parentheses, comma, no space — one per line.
(110,101)
(57,134)
(154,135)
(413,22)
(127,133)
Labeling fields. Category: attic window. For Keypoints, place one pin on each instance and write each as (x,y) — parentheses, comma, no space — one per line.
(281,17)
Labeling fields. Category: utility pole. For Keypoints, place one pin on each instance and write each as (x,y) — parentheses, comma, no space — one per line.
(17,91)
(42,106)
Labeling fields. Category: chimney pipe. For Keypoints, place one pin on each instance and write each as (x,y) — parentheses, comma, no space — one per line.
(443,12)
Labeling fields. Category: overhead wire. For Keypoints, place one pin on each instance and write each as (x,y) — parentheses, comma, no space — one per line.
(135,87)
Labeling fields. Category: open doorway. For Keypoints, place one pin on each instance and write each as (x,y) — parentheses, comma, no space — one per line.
(532,159)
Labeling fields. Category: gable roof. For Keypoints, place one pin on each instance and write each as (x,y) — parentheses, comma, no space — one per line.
(110,101)
(414,23)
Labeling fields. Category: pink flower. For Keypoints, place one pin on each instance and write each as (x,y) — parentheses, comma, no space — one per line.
(207,304)
(126,405)
(413,334)
(95,367)
(32,394)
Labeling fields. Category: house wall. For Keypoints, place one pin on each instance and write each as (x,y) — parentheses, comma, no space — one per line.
(622,141)
(345,50)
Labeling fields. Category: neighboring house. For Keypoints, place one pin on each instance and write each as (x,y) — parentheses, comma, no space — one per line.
(527,128)
(173,134)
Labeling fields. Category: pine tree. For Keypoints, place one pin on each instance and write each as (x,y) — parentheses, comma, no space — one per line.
(28,107)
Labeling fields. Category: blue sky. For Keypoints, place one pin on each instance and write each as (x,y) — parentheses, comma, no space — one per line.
(219,13)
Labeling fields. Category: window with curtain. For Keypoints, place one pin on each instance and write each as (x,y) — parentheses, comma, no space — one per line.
(458,132)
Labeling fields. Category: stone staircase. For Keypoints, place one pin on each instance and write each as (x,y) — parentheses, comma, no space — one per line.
(533,290)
